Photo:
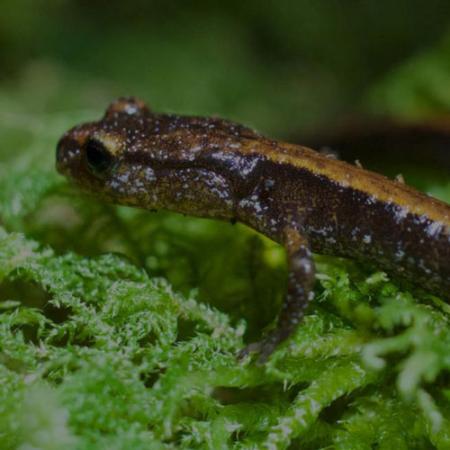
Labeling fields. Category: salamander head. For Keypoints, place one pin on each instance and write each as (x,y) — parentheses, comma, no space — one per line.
(135,157)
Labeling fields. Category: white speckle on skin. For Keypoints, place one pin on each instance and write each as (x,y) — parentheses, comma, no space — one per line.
(434,228)
(196,149)
(422,265)
(323,231)
(400,214)
(355,232)
(149,174)
(269,183)
(371,200)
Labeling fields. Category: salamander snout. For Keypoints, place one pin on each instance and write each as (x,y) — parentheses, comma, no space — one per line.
(67,150)
(84,154)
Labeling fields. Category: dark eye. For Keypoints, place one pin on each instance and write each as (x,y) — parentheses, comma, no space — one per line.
(98,156)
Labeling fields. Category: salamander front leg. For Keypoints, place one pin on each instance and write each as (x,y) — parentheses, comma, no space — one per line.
(299,294)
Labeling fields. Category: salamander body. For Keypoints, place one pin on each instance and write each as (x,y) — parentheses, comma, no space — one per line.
(210,167)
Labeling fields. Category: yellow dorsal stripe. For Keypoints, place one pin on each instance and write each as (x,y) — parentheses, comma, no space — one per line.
(373,184)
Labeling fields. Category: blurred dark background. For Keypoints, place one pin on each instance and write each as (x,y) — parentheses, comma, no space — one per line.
(280,66)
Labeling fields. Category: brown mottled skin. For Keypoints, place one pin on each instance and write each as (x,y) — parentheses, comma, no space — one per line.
(307,202)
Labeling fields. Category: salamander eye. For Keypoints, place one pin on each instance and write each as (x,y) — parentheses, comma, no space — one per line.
(98,157)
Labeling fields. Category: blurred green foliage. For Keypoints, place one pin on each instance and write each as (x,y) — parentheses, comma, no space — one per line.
(280,66)
(119,328)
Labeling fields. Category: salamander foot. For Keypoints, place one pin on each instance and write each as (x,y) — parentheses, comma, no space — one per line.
(264,348)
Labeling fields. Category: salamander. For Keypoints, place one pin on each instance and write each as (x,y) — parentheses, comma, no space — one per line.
(210,167)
